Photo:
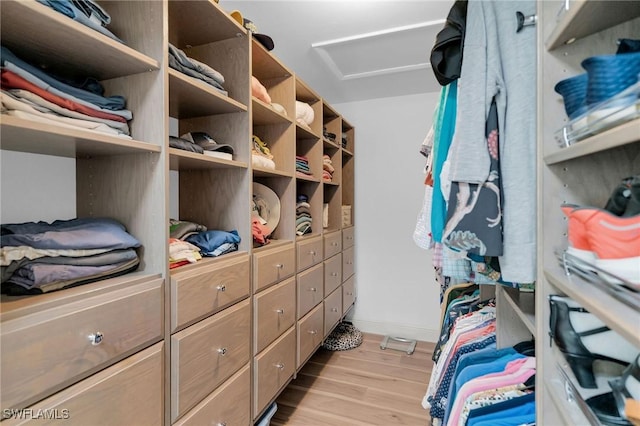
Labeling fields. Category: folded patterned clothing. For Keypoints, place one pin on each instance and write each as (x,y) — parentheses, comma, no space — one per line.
(327,176)
(212,242)
(303,228)
(86,12)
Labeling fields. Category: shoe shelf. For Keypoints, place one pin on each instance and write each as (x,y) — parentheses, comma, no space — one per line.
(579,18)
(619,316)
(74,47)
(627,133)
(189,97)
(40,138)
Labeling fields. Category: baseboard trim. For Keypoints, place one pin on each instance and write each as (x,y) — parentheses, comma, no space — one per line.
(396,330)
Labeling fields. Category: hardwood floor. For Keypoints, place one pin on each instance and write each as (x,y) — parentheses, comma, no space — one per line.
(364,386)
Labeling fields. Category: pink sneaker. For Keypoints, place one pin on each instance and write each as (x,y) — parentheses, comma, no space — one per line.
(577,233)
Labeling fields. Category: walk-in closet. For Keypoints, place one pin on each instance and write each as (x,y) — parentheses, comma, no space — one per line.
(301,212)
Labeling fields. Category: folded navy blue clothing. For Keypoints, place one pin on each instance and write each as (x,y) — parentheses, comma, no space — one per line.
(84,233)
(210,241)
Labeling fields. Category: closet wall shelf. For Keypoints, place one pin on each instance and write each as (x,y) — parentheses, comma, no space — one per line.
(189,97)
(262,172)
(38,138)
(185,160)
(302,133)
(308,178)
(586,17)
(273,244)
(331,183)
(523,304)
(618,316)
(190,23)
(618,136)
(264,114)
(330,145)
(264,65)
(75,46)
(347,153)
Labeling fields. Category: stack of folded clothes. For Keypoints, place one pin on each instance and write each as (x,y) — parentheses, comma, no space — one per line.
(41,257)
(261,155)
(179,61)
(86,12)
(31,94)
(302,166)
(190,241)
(303,215)
(327,168)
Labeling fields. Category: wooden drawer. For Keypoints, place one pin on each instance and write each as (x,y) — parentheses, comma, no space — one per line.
(202,291)
(275,312)
(332,310)
(206,354)
(332,274)
(273,265)
(347,263)
(310,289)
(227,405)
(309,252)
(348,237)
(348,293)
(332,244)
(72,337)
(273,369)
(309,334)
(127,393)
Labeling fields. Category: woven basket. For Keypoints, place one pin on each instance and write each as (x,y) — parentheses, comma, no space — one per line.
(610,75)
(574,93)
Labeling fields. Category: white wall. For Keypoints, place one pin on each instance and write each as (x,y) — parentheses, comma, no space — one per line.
(30,181)
(395,283)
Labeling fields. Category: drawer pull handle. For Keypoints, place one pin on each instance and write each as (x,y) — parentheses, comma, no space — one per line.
(349,293)
(221,287)
(334,244)
(350,262)
(280,311)
(312,252)
(313,332)
(96,338)
(279,265)
(334,309)
(334,274)
(313,289)
(222,351)
(349,238)
(222,424)
(279,366)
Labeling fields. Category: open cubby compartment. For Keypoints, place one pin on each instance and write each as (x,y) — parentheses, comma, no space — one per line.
(348,183)
(312,150)
(332,124)
(349,134)
(285,188)
(197,22)
(230,57)
(305,94)
(280,139)
(275,77)
(79,51)
(230,129)
(218,199)
(313,191)
(332,195)
(335,155)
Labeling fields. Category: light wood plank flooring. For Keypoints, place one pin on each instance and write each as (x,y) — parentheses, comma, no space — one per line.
(364,386)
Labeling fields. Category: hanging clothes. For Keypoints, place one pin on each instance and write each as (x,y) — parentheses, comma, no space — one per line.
(497,61)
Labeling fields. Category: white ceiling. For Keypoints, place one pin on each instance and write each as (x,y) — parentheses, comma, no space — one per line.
(352,50)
